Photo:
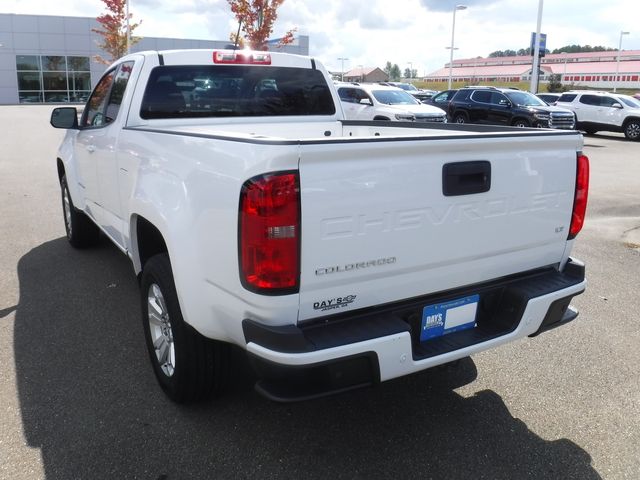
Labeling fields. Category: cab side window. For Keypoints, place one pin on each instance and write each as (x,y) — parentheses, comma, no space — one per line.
(94,112)
(117,92)
(104,104)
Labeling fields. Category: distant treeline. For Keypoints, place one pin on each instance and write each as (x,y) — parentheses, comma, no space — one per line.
(565,49)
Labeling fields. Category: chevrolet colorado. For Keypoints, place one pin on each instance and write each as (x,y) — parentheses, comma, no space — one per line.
(336,253)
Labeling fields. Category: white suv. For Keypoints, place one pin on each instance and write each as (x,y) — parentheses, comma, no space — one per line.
(596,111)
(379,102)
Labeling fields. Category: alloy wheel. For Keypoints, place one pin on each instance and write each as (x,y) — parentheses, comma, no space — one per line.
(160,330)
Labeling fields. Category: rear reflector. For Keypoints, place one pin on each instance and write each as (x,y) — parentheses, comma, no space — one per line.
(269,233)
(241,58)
(580,199)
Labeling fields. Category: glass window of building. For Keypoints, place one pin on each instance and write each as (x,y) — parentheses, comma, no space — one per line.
(53,78)
(54,63)
(28,62)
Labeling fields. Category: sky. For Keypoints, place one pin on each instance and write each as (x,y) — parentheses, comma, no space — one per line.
(410,33)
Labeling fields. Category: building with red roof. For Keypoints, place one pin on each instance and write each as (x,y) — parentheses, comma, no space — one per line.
(587,69)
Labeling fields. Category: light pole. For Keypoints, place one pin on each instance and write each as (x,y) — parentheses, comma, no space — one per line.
(453,33)
(618,60)
(564,71)
(128,29)
(535,69)
(342,59)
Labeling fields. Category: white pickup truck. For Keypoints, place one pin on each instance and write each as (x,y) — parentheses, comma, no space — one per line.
(336,253)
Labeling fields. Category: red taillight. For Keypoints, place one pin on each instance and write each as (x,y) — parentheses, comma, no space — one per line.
(241,57)
(580,199)
(269,243)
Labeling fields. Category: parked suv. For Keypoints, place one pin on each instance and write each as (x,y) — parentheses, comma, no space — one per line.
(379,102)
(604,111)
(503,106)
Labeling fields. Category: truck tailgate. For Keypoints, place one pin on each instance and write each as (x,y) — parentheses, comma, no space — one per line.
(377,226)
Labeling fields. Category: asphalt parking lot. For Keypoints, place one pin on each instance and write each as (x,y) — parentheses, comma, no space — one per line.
(78,398)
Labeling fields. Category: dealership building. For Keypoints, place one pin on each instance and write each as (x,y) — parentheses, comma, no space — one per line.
(50,59)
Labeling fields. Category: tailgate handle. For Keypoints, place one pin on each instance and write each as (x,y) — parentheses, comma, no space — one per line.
(466,178)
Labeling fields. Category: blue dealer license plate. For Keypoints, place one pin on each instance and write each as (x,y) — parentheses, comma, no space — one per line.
(448,317)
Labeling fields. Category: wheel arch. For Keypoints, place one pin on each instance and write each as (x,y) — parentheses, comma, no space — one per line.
(60,168)
(146,241)
(628,120)
(460,112)
(520,118)
(66,167)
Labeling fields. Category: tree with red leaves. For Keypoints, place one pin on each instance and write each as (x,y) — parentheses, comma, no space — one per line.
(256,19)
(114,30)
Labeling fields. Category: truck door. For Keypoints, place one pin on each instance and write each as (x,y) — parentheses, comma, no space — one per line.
(93,125)
(107,165)
(96,150)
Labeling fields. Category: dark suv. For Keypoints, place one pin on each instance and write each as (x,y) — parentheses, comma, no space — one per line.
(503,106)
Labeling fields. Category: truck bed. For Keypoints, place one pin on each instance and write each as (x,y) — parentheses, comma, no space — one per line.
(293,132)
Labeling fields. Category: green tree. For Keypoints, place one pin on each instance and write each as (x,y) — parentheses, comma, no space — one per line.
(514,53)
(581,48)
(555,83)
(113,30)
(395,73)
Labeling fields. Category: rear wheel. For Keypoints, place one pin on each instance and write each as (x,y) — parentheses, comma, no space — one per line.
(188,366)
(521,123)
(460,118)
(81,231)
(632,130)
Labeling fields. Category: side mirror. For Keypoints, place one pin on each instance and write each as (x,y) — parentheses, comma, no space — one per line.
(64,117)
(616,105)
(366,101)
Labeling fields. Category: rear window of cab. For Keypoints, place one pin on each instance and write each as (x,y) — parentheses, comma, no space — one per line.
(235,90)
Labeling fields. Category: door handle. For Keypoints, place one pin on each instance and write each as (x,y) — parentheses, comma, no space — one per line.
(91,148)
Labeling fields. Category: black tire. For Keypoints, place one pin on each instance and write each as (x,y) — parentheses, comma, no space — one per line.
(632,130)
(81,231)
(521,123)
(198,369)
(460,118)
